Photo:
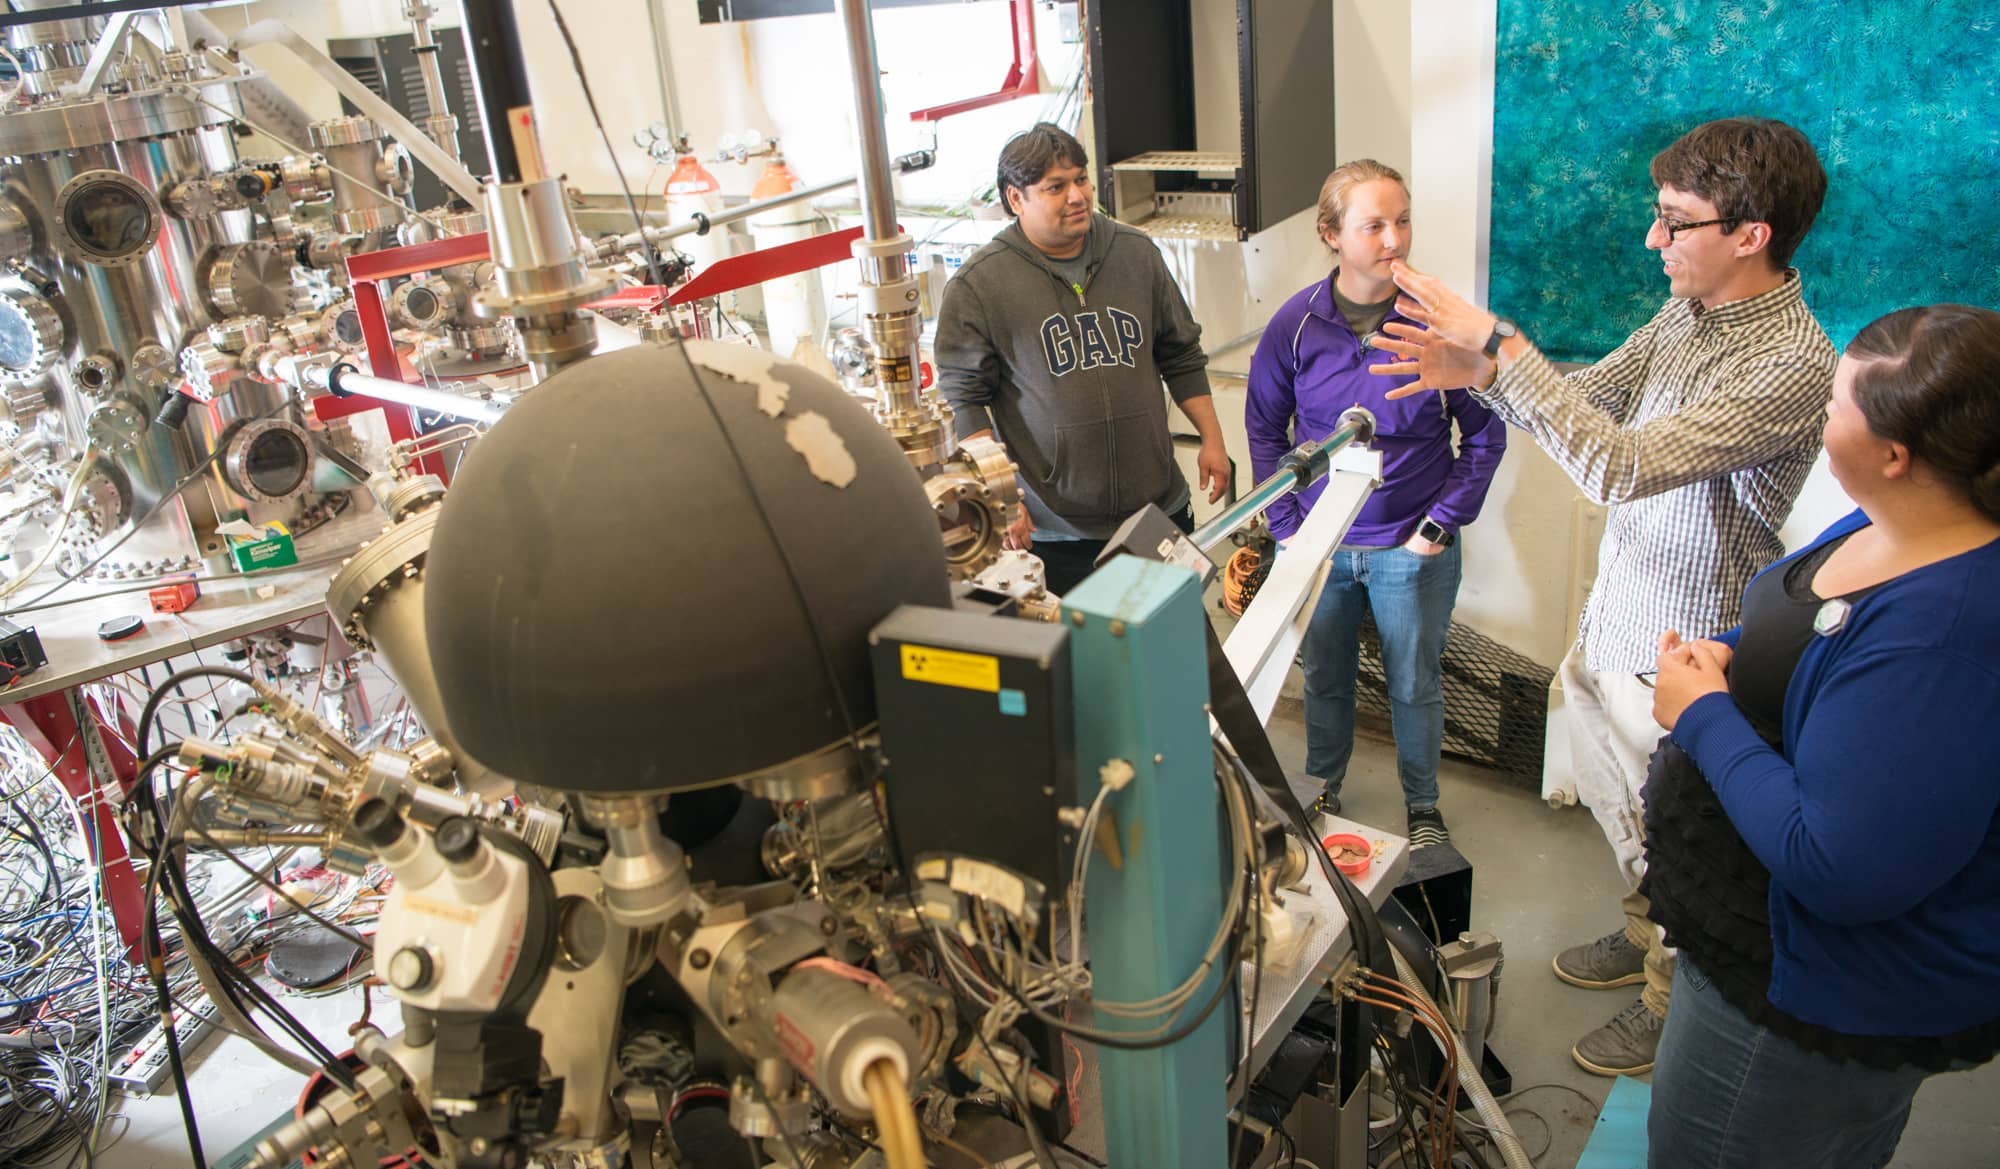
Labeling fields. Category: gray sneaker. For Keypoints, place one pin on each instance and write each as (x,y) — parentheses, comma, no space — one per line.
(1624,1046)
(1611,960)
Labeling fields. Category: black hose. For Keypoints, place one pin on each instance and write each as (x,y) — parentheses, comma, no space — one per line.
(493,51)
(153,949)
(160,693)
(1409,939)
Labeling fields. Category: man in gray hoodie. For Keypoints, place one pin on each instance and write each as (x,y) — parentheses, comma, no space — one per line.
(1058,335)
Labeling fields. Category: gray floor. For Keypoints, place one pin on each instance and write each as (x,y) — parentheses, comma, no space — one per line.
(1543,879)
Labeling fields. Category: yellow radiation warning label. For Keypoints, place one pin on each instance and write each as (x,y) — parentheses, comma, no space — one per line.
(943,667)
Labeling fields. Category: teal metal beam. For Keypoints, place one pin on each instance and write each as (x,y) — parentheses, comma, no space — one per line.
(1141,682)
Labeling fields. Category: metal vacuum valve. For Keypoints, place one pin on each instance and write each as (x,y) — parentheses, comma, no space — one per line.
(429,303)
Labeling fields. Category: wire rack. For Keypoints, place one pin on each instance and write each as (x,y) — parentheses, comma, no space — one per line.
(1496,702)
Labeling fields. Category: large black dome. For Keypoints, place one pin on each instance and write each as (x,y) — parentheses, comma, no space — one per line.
(610,610)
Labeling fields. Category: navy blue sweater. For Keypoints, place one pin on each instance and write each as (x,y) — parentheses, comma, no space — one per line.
(1877,821)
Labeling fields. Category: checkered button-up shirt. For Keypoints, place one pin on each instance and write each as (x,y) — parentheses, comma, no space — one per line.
(1698,432)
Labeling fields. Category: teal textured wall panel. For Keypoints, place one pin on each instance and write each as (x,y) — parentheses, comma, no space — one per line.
(1900,97)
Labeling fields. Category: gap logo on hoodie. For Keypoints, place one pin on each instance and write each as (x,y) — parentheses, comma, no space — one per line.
(1087,340)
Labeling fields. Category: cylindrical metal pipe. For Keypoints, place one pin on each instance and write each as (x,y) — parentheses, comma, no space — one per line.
(1263,495)
(1475,996)
(440,125)
(840,1030)
(644,873)
(878,192)
(357,146)
(529,226)
(345,379)
(659,235)
(500,79)
(1299,469)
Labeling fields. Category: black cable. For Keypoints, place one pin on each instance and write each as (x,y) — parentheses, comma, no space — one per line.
(159,694)
(144,736)
(156,965)
(194,933)
(793,577)
(1579,1093)
(1019,1091)
(146,797)
(52,890)
(366,945)
(638,222)
(89,11)
(170,878)
(1256,989)
(1251,748)
(1400,1095)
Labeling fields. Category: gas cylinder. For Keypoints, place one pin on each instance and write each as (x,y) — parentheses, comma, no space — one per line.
(691,191)
(794,307)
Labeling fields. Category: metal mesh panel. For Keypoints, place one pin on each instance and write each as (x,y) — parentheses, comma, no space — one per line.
(1496,702)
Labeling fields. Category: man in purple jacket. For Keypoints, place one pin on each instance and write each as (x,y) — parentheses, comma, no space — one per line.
(1401,557)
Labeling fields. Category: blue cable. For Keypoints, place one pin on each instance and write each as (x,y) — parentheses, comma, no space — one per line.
(76,917)
(10,1003)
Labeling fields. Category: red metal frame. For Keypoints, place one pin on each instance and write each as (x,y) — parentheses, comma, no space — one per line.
(364,274)
(734,272)
(50,727)
(1023,76)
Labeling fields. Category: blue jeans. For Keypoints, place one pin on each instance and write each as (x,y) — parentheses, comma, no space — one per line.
(1411,597)
(1728,1093)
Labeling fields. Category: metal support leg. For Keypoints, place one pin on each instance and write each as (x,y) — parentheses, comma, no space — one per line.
(1141,680)
(67,730)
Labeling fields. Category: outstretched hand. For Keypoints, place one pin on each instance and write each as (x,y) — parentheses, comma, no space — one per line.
(1446,353)
(1437,363)
(1431,303)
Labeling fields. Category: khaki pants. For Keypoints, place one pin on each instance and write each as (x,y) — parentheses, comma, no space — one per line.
(1611,736)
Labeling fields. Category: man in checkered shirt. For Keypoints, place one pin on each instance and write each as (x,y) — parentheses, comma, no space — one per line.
(1697,432)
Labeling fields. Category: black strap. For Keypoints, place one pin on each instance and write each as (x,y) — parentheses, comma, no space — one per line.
(1245,731)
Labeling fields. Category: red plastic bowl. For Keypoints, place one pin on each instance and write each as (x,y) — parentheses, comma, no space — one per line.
(1342,845)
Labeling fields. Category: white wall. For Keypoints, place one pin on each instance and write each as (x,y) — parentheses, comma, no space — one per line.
(1820,503)
(1529,557)
(1372,74)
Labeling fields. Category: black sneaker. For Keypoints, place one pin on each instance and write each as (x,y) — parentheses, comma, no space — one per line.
(1427,828)
(1328,803)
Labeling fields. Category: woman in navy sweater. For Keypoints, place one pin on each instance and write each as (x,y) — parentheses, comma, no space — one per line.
(1825,852)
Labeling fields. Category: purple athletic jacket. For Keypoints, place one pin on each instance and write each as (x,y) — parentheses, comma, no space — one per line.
(1310,366)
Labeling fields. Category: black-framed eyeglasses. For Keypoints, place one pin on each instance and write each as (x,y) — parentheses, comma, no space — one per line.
(1676,226)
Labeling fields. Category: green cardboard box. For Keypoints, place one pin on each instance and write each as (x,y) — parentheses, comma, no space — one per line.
(272,547)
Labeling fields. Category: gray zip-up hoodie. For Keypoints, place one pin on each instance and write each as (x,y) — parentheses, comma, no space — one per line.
(1071,376)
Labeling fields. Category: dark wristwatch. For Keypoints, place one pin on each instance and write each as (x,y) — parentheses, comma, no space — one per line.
(1436,533)
(1502,329)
